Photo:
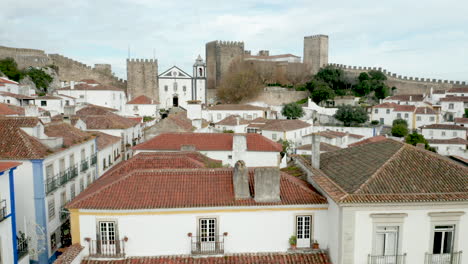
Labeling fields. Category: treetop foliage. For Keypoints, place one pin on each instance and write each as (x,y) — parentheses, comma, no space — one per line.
(40,78)
(292,111)
(351,115)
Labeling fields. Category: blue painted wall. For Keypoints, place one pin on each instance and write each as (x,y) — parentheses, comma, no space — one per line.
(40,209)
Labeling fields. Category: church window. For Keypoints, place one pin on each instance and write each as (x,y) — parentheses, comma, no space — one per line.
(175,86)
(166,88)
(184,88)
(200,70)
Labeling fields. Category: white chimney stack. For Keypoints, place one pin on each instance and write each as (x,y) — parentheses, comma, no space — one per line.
(240,180)
(315,159)
(72,85)
(267,184)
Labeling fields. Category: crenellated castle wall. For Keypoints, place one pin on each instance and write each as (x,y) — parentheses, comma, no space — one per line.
(404,84)
(69,69)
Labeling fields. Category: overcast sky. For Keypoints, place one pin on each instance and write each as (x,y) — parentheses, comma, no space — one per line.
(415,38)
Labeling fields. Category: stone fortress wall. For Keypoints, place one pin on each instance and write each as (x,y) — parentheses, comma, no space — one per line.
(69,70)
(142,78)
(315,52)
(404,84)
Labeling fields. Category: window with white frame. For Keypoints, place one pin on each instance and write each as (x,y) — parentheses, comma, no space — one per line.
(443,133)
(418,118)
(273,136)
(399,115)
(51,208)
(388,111)
(386,241)
(406,115)
(207,229)
(454,133)
(432,119)
(376,111)
(387,237)
(450,106)
(443,239)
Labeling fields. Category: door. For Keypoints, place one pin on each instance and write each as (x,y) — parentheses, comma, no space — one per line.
(175,101)
(386,245)
(442,247)
(107,244)
(303,223)
(207,235)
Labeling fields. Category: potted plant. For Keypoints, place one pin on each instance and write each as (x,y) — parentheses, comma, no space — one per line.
(315,245)
(293,241)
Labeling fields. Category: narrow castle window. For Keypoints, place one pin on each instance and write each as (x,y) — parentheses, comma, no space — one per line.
(200,70)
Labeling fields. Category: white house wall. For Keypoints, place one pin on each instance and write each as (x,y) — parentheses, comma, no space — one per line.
(249,230)
(166,97)
(106,98)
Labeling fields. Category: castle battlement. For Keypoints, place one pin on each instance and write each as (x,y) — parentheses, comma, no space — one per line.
(316,36)
(149,61)
(229,43)
(395,75)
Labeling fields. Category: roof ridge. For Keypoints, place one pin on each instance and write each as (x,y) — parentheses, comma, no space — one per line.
(380,168)
(298,182)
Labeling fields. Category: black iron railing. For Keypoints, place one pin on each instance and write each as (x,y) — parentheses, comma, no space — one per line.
(22,243)
(207,245)
(3,210)
(52,183)
(73,172)
(447,258)
(64,177)
(107,248)
(389,259)
(84,165)
(64,213)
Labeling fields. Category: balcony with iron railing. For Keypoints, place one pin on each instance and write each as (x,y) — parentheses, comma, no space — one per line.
(207,245)
(93,159)
(73,172)
(389,259)
(84,165)
(22,248)
(60,179)
(106,248)
(446,258)
(3,210)
(52,183)
(64,214)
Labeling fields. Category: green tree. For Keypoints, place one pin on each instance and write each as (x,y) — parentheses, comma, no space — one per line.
(400,122)
(381,90)
(415,138)
(351,115)
(292,111)
(466,113)
(9,67)
(321,92)
(363,88)
(40,78)
(399,130)
(377,75)
(373,81)
(363,76)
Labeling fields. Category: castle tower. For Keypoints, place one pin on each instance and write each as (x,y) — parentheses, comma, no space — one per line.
(142,78)
(315,52)
(199,80)
(219,55)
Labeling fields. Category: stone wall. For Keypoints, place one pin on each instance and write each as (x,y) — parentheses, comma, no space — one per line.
(69,70)
(142,78)
(404,84)
(315,52)
(278,96)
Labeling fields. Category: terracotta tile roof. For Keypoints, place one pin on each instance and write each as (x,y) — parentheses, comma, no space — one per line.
(334,134)
(5,165)
(138,119)
(236,107)
(207,141)
(444,126)
(454,141)
(404,108)
(93,110)
(389,171)
(67,96)
(454,99)
(246,258)
(17,144)
(60,118)
(368,140)
(324,147)
(85,86)
(48,97)
(17,96)
(5,80)
(103,140)
(183,188)
(232,121)
(385,105)
(181,120)
(142,99)
(425,111)
(69,255)
(439,92)
(109,121)
(458,90)
(406,97)
(284,125)
(89,81)
(71,135)
(462,120)
(6,110)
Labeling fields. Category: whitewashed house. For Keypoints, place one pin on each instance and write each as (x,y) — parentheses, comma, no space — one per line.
(384,113)
(142,106)
(16,99)
(443,131)
(13,245)
(217,113)
(461,121)
(307,149)
(334,138)
(407,99)
(58,162)
(233,123)
(51,103)
(108,151)
(207,224)
(406,112)
(450,147)
(91,92)
(256,150)
(286,130)
(425,116)
(461,91)
(453,107)
(390,202)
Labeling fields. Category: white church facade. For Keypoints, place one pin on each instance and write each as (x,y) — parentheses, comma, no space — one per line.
(176,87)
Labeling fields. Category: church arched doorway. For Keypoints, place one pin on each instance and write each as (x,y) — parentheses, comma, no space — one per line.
(175,101)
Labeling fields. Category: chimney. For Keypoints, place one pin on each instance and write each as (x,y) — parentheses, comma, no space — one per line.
(315,159)
(69,110)
(410,98)
(240,180)
(72,85)
(239,143)
(31,110)
(237,120)
(425,110)
(267,184)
